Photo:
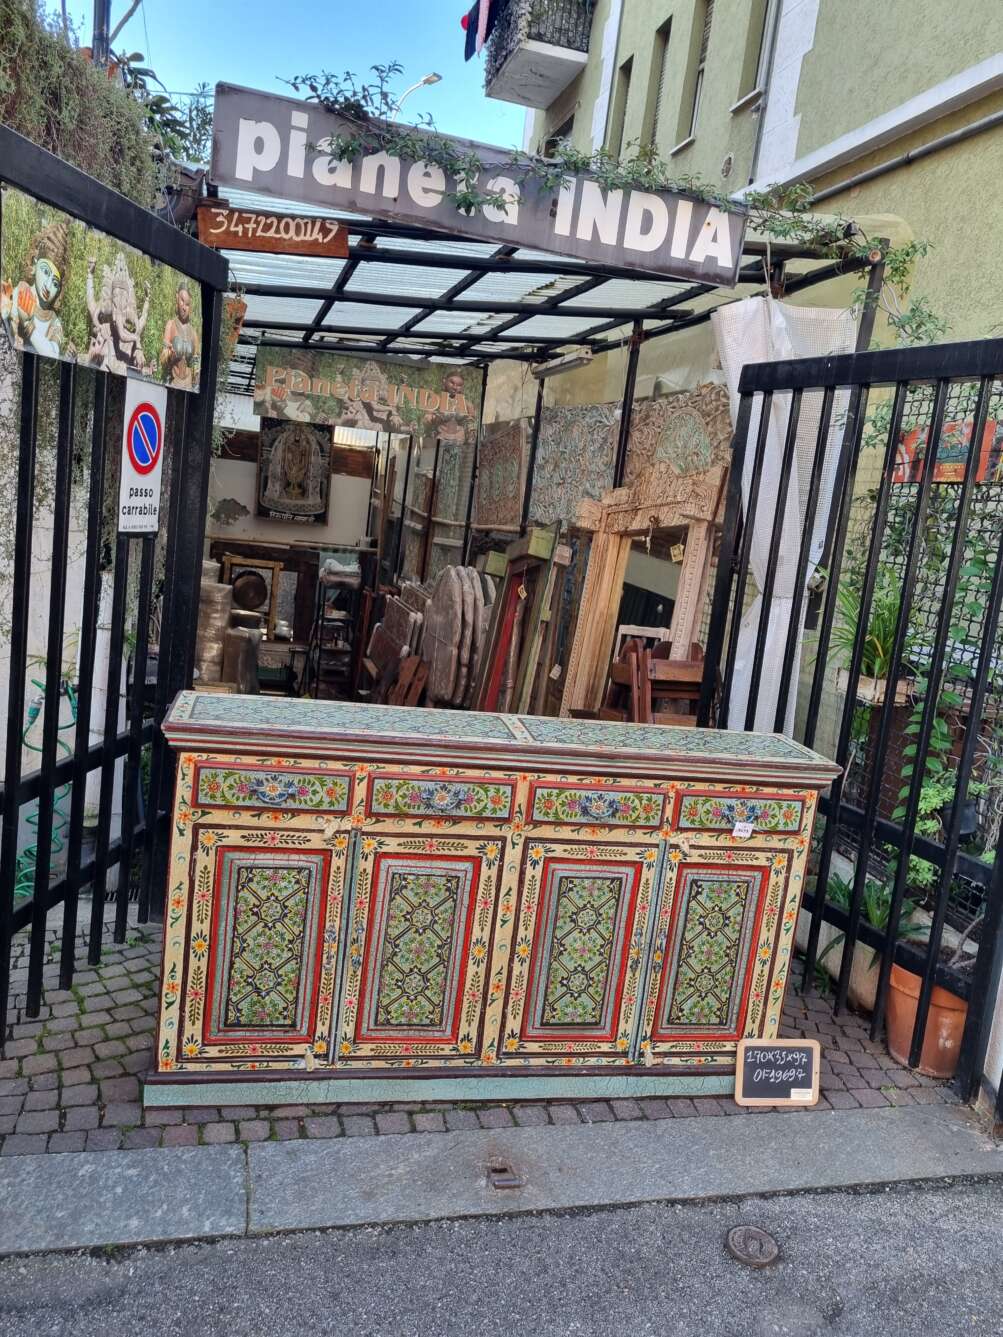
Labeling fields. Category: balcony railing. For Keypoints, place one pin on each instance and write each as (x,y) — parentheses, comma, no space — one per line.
(564,25)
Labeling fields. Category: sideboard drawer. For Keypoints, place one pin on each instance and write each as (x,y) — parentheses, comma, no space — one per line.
(571,803)
(482,798)
(777,814)
(292,789)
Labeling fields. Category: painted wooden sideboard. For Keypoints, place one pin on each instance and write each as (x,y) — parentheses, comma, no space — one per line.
(362,897)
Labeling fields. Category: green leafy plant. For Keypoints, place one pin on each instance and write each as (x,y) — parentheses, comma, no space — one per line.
(881,625)
(876,906)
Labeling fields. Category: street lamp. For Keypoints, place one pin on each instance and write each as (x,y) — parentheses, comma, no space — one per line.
(428,79)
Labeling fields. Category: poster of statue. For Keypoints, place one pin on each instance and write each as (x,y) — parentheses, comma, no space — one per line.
(70,292)
(377,394)
(294,471)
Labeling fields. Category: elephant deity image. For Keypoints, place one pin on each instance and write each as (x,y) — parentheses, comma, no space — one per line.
(369,407)
(294,471)
(179,355)
(28,310)
(116,324)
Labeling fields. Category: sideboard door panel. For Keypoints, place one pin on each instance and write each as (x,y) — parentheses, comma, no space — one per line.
(420,939)
(252,945)
(572,983)
(723,931)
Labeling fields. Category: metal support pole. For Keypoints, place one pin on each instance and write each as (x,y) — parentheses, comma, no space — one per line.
(627,408)
(100,41)
(430,518)
(475,464)
(395,570)
(527,493)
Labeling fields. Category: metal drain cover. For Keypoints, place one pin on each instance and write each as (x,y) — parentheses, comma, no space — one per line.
(501,1175)
(752,1246)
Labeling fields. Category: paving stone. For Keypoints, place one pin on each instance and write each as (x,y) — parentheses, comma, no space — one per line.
(75,1077)
(117,1089)
(285,1130)
(237,1112)
(327,1126)
(218,1133)
(844,1100)
(830,1082)
(77,1058)
(137,1139)
(563,1114)
(57,1044)
(289,1111)
(19,1086)
(122,1113)
(89,1037)
(87,1094)
(896,1096)
(460,1119)
(67,1142)
(8,1069)
(125,1013)
(180,1135)
(60,1025)
(707,1106)
(159,1118)
(361,1125)
(869,1099)
(87,1117)
(39,1063)
(625,1109)
(926,1095)
(903,1078)
(116,1029)
(110,1049)
(124,996)
(104,1139)
(531,1116)
(253,1130)
(35,1100)
(67,1009)
(495,1117)
(21,1145)
(393,1122)
(108,1067)
(13,1104)
(431,1121)
(38,1121)
(681,1106)
(99,1018)
(7,1124)
(139,1044)
(655,1109)
(595,1111)
(194,1114)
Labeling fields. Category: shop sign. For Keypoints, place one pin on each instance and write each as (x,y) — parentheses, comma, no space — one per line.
(278,234)
(142,458)
(376,394)
(70,292)
(278,146)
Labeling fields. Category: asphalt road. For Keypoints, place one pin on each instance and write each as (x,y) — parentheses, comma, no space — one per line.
(885,1264)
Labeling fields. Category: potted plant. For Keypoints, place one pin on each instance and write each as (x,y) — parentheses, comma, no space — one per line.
(875,905)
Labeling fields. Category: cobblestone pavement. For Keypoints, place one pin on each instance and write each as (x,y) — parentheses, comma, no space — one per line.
(70,1078)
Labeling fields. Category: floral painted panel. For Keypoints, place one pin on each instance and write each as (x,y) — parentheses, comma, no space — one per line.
(573,982)
(299,791)
(574,460)
(714,929)
(264,944)
(594,804)
(720,812)
(605,735)
(421,926)
(501,471)
(435,796)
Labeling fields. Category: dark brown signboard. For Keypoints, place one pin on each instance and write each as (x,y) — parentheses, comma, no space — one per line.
(282,234)
(280,147)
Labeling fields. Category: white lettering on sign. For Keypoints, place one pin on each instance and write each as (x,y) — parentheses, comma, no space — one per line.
(142,458)
(283,147)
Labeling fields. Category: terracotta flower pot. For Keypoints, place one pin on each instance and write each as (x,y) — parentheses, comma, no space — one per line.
(944,1027)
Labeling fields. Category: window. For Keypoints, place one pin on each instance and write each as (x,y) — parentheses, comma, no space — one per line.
(563,131)
(659,80)
(620,99)
(763,60)
(708,14)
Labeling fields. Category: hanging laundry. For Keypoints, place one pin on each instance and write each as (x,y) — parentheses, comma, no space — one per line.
(479,24)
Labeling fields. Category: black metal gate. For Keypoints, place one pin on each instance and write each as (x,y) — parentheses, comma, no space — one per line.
(889,654)
(72,417)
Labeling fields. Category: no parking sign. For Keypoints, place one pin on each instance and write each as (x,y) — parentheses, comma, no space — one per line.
(142,458)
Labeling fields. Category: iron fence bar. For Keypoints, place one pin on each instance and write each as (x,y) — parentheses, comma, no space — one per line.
(53,692)
(534,442)
(839,517)
(20,599)
(31,784)
(85,680)
(160,758)
(475,465)
(108,763)
(872,800)
(804,551)
(426,546)
(989,962)
(935,675)
(835,538)
(874,367)
(57,891)
(766,595)
(399,541)
(889,833)
(748,525)
(725,562)
(137,696)
(850,701)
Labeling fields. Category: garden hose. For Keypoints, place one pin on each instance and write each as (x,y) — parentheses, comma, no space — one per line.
(27,859)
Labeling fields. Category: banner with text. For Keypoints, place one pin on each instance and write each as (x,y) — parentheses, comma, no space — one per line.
(377,394)
(281,146)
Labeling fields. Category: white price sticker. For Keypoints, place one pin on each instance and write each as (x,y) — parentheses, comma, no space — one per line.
(801,1093)
(742,830)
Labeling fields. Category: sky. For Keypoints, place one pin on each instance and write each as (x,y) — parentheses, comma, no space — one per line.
(258,43)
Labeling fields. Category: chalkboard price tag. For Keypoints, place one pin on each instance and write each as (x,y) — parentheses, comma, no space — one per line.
(777,1072)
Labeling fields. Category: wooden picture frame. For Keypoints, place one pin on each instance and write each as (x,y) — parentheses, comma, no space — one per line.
(234,564)
(755,1101)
